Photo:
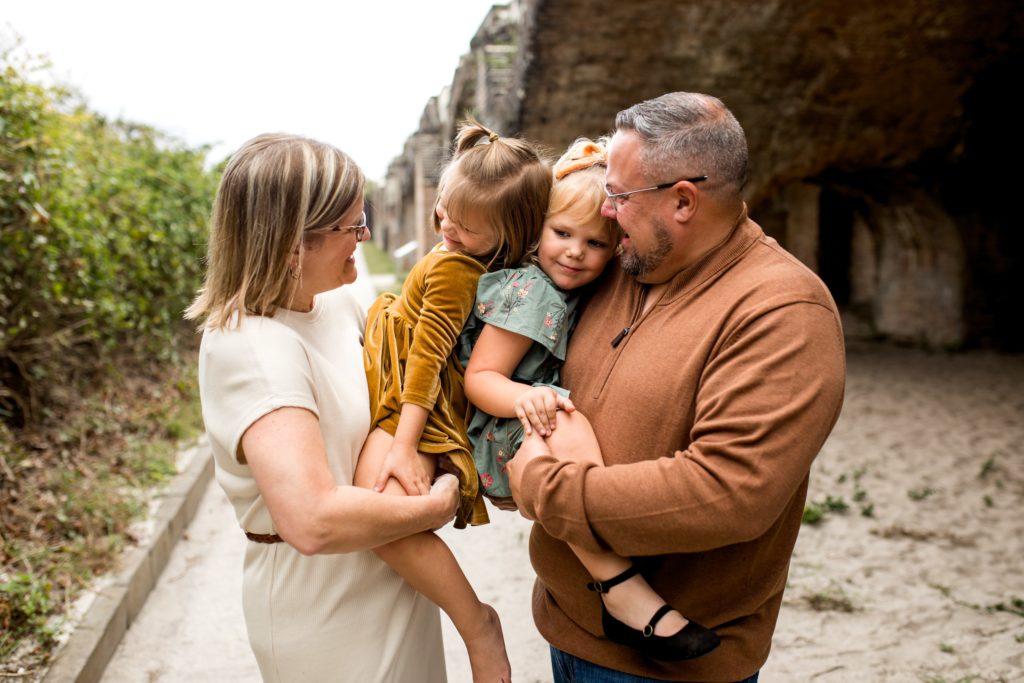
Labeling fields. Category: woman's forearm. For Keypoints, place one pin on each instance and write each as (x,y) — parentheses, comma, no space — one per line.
(353,518)
(310,510)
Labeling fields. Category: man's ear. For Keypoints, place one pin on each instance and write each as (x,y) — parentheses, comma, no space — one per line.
(687,200)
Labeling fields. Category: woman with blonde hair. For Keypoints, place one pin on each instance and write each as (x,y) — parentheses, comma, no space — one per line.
(286,408)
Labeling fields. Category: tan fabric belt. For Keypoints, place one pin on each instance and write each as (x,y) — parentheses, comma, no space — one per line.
(263,538)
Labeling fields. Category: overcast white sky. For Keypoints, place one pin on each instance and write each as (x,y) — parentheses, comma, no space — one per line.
(353,73)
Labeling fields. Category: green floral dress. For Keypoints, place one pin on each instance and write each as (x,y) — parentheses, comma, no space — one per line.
(525,301)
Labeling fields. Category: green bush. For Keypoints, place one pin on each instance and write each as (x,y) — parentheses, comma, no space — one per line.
(102,233)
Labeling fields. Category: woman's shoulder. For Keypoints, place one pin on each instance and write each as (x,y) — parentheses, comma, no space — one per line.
(246,328)
(250,338)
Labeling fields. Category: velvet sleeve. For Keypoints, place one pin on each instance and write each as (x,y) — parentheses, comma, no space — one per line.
(766,403)
(448,296)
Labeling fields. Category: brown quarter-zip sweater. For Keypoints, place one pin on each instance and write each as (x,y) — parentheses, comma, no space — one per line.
(709,411)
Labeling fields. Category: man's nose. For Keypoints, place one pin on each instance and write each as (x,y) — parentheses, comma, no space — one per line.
(608,209)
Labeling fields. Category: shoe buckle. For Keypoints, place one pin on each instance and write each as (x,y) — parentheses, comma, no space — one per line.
(596,586)
(648,631)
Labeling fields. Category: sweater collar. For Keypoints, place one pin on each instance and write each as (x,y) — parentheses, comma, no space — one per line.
(742,235)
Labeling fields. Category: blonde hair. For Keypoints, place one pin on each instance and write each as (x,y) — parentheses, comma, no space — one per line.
(579,182)
(504,179)
(275,187)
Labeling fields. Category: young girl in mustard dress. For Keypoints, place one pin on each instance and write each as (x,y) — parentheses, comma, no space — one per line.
(518,336)
(491,202)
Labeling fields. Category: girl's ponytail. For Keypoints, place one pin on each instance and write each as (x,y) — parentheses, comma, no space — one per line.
(503,180)
(470,134)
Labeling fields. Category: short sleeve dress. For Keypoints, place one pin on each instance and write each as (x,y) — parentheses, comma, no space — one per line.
(340,617)
(411,356)
(525,301)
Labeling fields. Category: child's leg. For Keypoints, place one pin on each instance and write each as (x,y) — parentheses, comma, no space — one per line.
(427,563)
(633,601)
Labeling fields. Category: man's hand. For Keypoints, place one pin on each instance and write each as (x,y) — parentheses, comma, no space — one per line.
(533,446)
(536,408)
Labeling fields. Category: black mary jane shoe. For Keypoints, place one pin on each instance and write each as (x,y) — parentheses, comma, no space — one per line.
(689,642)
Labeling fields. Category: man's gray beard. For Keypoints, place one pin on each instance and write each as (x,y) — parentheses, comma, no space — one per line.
(638,265)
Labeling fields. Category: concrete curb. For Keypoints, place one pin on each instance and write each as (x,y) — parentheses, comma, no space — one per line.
(95,639)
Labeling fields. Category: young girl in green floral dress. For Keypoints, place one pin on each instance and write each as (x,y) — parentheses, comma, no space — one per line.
(518,336)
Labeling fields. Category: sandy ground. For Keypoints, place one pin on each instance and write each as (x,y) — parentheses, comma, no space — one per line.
(932,447)
(928,457)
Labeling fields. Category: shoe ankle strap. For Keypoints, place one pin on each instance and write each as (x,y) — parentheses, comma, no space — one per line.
(607,585)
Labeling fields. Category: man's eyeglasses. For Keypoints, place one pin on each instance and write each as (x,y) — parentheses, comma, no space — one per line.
(619,198)
(361,229)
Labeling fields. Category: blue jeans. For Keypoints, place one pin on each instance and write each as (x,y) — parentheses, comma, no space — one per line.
(569,669)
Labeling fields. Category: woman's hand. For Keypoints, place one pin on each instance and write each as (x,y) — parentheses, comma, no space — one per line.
(403,464)
(445,491)
(310,510)
(536,408)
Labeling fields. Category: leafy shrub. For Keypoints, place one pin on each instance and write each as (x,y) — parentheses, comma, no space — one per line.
(102,232)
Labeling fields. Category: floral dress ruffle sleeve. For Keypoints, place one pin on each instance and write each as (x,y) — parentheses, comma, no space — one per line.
(524,301)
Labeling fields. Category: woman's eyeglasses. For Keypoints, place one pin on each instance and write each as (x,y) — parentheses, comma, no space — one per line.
(361,229)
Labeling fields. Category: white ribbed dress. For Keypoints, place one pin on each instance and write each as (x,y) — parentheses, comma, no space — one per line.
(345,617)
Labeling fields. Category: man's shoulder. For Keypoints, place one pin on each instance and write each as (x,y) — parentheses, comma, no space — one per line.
(769,272)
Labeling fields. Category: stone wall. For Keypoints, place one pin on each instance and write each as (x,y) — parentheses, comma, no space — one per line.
(483,87)
(879,132)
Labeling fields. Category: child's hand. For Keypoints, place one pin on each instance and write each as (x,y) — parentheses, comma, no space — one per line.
(406,466)
(536,408)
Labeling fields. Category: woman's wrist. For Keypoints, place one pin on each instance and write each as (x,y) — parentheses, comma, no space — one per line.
(443,500)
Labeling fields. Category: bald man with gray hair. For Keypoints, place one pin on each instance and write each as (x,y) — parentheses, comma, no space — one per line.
(711,366)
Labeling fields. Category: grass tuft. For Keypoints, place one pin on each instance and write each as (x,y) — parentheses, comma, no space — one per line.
(70,490)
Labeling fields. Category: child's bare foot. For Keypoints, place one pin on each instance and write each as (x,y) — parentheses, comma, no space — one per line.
(486,646)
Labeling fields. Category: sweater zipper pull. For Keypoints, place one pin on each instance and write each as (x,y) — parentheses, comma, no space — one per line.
(619,337)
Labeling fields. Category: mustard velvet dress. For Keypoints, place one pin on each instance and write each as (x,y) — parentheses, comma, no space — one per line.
(411,356)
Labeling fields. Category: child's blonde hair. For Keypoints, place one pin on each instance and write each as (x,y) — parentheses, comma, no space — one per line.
(274,189)
(579,182)
(504,179)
